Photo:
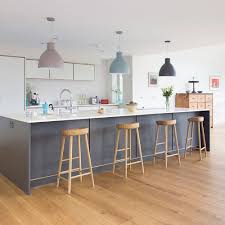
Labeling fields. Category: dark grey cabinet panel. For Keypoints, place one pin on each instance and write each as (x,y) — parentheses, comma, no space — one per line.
(181,126)
(45,146)
(102,139)
(195,137)
(15,152)
(130,119)
(148,132)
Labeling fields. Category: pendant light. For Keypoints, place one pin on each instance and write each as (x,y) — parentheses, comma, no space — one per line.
(50,58)
(167,68)
(119,64)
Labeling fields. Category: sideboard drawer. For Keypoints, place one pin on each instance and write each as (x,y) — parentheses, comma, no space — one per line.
(201,105)
(193,98)
(193,105)
(201,98)
(208,98)
(208,105)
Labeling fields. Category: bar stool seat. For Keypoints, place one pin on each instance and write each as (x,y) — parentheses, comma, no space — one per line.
(166,122)
(198,120)
(127,129)
(71,133)
(167,154)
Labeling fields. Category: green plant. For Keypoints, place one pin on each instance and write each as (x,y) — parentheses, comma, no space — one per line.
(168,91)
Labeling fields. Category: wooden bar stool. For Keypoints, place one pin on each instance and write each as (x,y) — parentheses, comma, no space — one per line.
(71,133)
(167,154)
(198,120)
(127,128)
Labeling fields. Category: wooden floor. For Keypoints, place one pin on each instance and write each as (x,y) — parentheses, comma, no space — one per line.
(192,194)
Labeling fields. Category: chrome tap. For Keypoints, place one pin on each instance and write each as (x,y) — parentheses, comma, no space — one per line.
(70,107)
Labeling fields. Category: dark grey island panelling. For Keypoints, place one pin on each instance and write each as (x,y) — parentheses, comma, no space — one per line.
(29,152)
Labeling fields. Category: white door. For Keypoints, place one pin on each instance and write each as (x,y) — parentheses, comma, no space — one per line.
(11,85)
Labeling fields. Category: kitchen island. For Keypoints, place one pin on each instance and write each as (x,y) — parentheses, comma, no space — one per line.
(29,146)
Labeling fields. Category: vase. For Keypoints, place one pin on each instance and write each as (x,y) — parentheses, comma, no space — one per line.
(167,103)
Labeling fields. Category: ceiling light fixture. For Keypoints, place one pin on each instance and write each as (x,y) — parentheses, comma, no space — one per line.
(167,68)
(119,64)
(50,58)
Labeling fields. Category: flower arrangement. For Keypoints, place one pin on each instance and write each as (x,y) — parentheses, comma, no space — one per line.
(167,92)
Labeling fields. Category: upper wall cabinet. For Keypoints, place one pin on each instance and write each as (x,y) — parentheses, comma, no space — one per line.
(65,73)
(84,72)
(32,70)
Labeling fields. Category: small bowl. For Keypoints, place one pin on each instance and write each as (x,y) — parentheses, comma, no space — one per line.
(132,107)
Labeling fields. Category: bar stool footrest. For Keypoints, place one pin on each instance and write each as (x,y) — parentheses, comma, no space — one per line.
(122,149)
(160,143)
(77,176)
(121,160)
(64,160)
(81,175)
(73,170)
(168,155)
(136,162)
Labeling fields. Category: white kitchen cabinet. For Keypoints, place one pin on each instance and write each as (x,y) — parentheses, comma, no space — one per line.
(84,72)
(32,70)
(65,73)
(12,84)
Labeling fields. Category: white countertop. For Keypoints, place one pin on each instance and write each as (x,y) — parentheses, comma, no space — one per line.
(74,106)
(94,115)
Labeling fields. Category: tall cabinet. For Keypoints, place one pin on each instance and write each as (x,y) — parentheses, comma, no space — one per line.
(196,101)
(12,86)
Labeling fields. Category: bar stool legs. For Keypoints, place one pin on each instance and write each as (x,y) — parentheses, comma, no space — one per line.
(201,136)
(71,134)
(89,160)
(139,149)
(61,159)
(116,149)
(166,124)
(70,164)
(204,141)
(128,161)
(177,145)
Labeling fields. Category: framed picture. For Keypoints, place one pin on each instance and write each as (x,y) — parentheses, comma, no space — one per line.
(153,79)
(214,83)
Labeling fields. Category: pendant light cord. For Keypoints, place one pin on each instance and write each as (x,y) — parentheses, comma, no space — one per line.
(51,20)
(119,42)
(167,48)
(119,33)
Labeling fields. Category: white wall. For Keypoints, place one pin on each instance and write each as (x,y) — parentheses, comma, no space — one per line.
(199,62)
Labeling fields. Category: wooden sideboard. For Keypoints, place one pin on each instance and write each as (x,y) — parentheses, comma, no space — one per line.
(196,101)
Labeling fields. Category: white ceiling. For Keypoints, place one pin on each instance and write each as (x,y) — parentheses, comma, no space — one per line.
(82,24)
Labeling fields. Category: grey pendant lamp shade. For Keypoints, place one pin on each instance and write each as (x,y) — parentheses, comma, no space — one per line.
(119,64)
(50,58)
(167,69)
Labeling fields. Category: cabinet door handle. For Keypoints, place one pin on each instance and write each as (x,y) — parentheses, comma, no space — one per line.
(11,124)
